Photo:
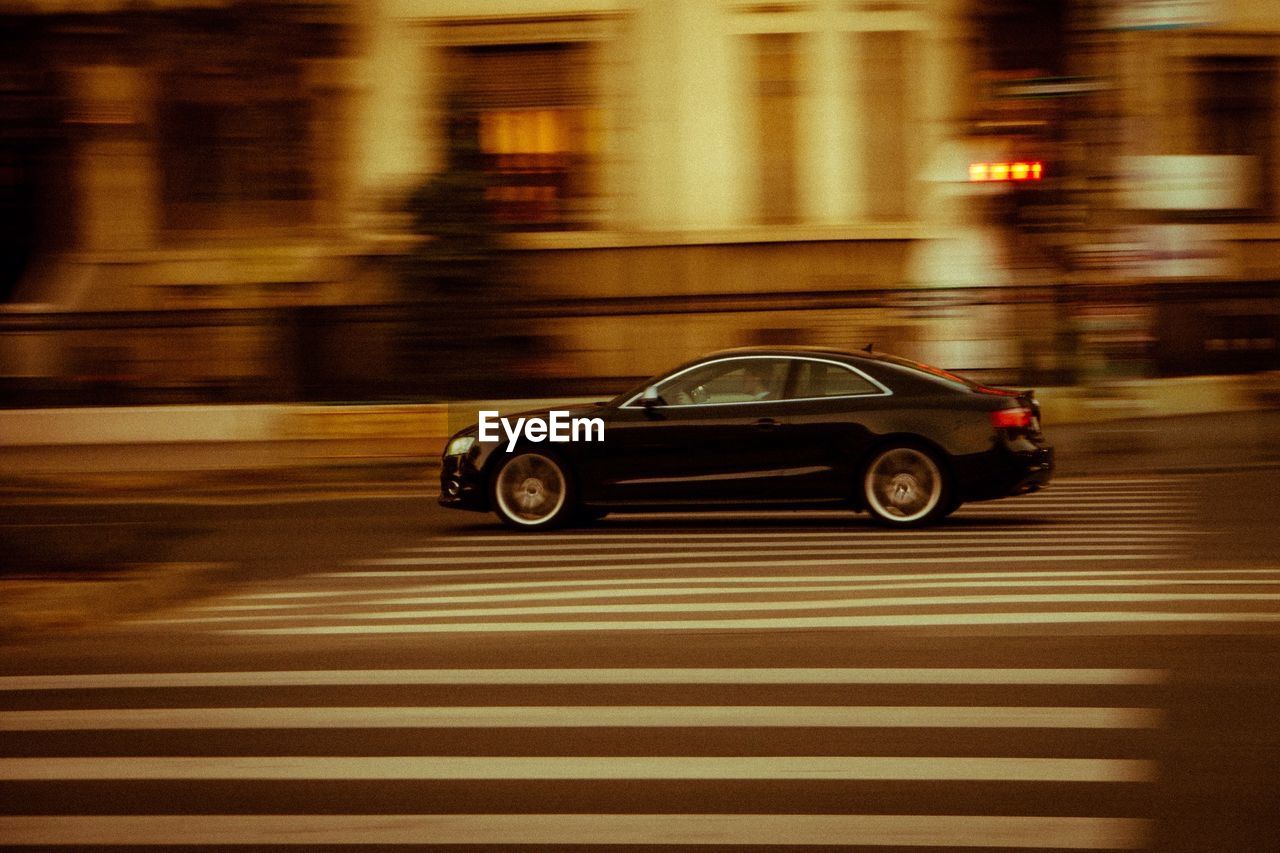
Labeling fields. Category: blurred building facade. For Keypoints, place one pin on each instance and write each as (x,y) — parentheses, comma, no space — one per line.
(158,154)
(690,174)
(167,156)
(677,175)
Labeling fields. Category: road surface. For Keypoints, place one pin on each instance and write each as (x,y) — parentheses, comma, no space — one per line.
(1093,667)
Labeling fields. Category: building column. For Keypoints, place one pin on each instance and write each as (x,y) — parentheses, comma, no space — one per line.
(395,120)
(115,164)
(688,139)
(828,124)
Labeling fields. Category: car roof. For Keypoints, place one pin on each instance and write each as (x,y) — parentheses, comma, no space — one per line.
(785,352)
(782,351)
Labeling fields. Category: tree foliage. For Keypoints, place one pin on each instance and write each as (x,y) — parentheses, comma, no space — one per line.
(457,277)
(459,251)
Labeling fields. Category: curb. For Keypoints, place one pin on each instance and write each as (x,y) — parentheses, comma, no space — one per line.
(418,473)
(1173,470)
(33,605)
(408,479)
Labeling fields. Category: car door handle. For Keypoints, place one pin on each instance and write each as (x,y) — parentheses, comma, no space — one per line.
(767,424)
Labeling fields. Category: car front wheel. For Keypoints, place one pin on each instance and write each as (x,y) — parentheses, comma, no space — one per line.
(531,491)
(904,486)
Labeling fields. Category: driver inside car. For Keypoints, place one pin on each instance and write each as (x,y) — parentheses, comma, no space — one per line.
(756,382)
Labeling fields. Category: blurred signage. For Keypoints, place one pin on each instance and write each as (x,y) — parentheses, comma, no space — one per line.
(363,422)
(1117,255)
(1046,87)
(966,257)
(1189,182)
(1185,251)
(1162,252)
(1014,102)
(1163,14)
(1006,171)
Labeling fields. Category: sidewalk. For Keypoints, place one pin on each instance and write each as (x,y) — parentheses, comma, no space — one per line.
(1223,441)
(230,450)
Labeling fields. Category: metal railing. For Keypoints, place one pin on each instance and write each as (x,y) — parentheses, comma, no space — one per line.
(1059,335)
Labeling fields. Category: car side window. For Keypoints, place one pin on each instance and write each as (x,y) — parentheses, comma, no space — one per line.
(738,380)
(825,379)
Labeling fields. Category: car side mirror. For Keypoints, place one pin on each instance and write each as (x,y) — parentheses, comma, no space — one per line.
(651,397)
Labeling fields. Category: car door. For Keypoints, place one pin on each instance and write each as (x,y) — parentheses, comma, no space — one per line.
(835,409)
(717,434)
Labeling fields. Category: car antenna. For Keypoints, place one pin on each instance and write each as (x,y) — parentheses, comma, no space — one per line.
(867,348)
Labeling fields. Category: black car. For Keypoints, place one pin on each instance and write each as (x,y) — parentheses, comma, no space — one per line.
(776,427)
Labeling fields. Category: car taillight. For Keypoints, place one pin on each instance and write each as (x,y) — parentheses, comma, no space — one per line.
(1019,418)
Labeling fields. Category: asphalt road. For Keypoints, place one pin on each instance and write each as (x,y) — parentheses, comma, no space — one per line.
(1093,667)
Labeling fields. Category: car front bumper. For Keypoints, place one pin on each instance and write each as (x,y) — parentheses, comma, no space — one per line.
(462,484)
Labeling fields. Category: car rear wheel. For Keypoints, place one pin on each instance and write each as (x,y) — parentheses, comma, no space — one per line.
(904,486)
(532,491)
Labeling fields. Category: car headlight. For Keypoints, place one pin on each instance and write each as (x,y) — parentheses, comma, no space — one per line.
(460,445)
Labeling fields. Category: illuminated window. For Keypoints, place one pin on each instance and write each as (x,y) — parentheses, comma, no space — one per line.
(539,128)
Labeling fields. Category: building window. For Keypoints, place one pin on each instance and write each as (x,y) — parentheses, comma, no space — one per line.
(883,101)
(777,100)
(1236,105)
(236,153)
(540,130)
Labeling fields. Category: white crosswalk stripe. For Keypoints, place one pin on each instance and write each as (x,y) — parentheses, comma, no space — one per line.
(1114,621)
(886,549)
(858,768)
(842,676)
(586,716)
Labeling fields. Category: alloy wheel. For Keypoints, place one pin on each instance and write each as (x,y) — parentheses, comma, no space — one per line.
(903,485)
(531,490)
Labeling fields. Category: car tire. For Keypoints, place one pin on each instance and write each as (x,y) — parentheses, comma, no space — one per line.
(532,491)
(905,485)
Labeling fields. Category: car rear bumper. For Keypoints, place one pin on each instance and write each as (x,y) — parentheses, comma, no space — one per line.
(1036,468)
(1012,468)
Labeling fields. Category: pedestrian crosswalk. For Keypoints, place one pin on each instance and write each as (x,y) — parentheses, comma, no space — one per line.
(889,758)
(1020,565)
(732,680)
